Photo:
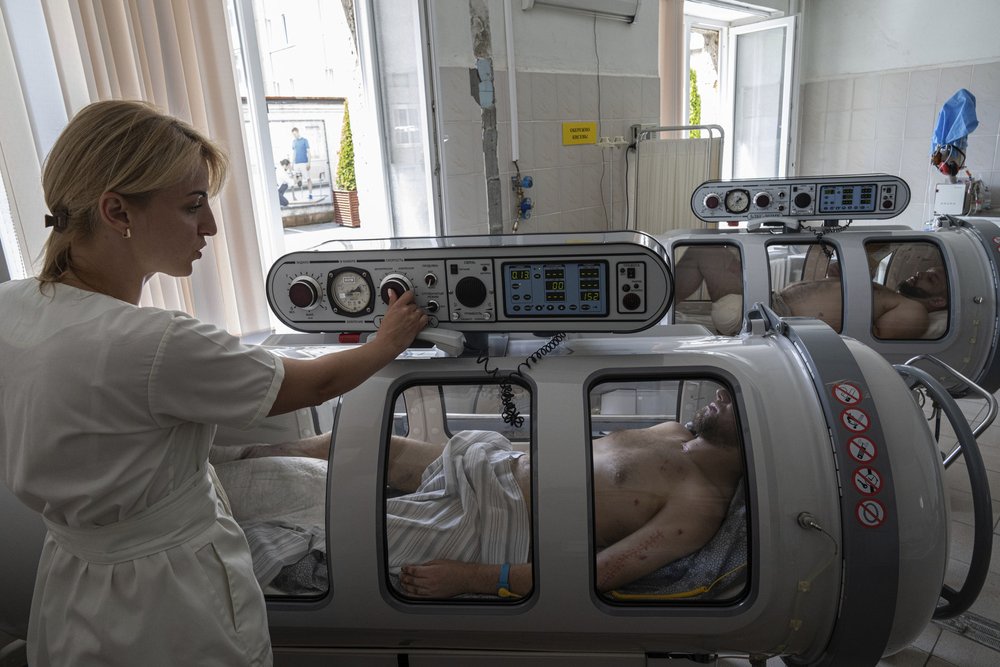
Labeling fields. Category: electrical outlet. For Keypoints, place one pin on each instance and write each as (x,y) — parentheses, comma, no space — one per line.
(612,142)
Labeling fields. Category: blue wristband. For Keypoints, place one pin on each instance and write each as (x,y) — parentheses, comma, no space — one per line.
(503,585)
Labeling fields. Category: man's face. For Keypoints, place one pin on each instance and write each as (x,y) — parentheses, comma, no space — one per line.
(930,286)
(716,422)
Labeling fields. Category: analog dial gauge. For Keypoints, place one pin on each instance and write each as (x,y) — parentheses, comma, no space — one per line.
(737,201)
(351,292)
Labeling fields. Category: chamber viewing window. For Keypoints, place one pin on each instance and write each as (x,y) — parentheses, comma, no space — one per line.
(669,497)
(708,286)
(910,290)
(806,282)
(458,491)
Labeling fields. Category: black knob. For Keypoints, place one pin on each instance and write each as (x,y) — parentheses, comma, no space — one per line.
(395,282)
(304,292)
(802,200)
(631,301)
(470,292)
(432,306)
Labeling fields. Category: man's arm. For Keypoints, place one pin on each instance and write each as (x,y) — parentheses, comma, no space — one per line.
(902,318)
(685,524)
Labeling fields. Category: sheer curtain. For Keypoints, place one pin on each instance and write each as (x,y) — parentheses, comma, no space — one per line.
(174,54)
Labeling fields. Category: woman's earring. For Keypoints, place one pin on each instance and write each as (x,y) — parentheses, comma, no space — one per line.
(127,234)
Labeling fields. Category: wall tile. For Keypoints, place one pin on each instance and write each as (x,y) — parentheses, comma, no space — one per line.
(526,145)
(813,127)
(860,157)
(568,97)
(920,122)
(463,147)
(866,92)
(631,98)
(981,152)
(923,87)
(988,114)
(889,122)
(814,96)
(838,126)
(544,99)
(524,109)
(466,204)
(456,102)
(611,102)
(547,144)
(887,155)
(986,80)
(545,192)
(588,109)
(840,95)
(811,159)
(953,78)
(863,124)
(894,89)
(650,97)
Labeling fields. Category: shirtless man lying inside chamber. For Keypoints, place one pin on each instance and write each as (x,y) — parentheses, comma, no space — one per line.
(660,493)
(903,313)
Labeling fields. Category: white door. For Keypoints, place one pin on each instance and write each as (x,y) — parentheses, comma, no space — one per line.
(759,94)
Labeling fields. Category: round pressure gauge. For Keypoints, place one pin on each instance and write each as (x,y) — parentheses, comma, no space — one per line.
(737,201)
(351,292)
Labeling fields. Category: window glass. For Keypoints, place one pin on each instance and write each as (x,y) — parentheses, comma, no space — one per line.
(708,286)
(669,501)
(806,282)
(458,492)
(910,297)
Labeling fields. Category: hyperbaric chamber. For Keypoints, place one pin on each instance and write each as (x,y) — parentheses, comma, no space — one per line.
(900,291)
(825,542)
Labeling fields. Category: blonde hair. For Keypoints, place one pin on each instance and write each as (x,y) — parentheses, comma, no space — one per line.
(122,146)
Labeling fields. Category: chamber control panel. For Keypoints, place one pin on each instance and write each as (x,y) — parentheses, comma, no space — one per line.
(862,197)
(608,282)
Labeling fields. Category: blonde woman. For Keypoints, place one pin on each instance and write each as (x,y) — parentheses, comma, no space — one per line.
(108,409)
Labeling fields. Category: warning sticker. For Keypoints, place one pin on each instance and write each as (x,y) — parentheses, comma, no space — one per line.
(870,513)
(862,449)
(867,481)
(855,420)
(847,393)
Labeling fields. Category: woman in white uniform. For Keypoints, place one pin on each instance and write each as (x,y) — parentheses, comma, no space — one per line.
(108,410)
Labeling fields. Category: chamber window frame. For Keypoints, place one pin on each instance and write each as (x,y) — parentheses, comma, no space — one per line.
(396,596)
(699,374)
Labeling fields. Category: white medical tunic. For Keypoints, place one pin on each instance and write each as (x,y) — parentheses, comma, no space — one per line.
(107,413)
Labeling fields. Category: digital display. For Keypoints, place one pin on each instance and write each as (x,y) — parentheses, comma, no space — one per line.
(556,289)
(847,198)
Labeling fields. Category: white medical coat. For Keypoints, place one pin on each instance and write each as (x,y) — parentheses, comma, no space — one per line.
(107,413)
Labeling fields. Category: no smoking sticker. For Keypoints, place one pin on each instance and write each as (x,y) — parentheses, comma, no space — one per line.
(862,449)
(867,481)
(870,513)
(855,420)
(847,393)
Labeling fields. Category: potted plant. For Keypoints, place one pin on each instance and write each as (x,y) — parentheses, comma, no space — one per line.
(345,193)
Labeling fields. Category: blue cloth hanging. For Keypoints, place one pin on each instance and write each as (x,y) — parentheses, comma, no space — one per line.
(955,122)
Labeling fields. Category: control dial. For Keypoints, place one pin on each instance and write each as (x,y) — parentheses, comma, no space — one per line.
(396,282)
(351,292)
(762,200)
(304,292)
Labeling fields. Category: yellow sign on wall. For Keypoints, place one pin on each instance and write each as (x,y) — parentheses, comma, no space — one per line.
(578,132)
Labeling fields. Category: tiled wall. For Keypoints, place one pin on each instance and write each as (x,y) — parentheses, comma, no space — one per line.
(568,180)
(884,121)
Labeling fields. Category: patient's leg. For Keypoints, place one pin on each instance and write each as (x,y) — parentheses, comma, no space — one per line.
(408,458)
(317,447)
